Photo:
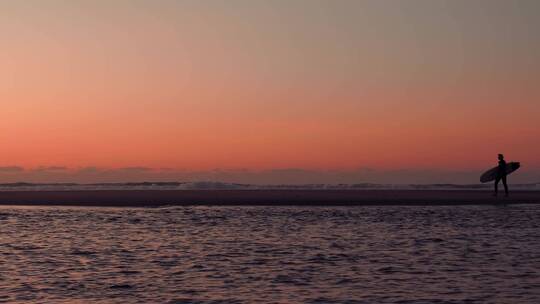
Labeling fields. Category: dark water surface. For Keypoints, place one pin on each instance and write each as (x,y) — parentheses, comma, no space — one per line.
(459,254)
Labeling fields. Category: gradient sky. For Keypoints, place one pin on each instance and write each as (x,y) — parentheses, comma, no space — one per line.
(426,85)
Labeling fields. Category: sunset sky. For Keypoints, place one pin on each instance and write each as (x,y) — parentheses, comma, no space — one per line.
(332,91)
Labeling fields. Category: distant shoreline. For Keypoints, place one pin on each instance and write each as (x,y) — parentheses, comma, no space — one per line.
(156,198)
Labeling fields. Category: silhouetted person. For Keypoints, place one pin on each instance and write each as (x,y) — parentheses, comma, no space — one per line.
(501,175)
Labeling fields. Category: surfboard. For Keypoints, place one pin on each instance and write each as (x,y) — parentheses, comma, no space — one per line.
(491,174)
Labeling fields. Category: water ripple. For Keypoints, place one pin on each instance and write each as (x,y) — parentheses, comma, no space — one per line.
(460,254)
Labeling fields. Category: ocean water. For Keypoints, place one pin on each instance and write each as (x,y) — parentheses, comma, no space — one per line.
(438,254)
(235,186)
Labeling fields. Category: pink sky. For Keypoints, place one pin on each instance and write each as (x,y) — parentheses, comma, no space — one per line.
(268,85)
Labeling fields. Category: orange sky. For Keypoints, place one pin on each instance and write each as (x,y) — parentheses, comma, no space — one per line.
(263,85)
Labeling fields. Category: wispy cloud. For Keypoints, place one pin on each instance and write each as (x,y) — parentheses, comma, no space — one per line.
(135,169)
(11,169)
(51,169)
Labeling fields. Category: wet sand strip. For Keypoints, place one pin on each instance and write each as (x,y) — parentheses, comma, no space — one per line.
(155,198)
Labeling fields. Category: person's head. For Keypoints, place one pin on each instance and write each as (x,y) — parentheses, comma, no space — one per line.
(501,157)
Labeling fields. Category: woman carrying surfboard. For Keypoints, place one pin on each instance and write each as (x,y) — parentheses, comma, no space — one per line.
(499,173)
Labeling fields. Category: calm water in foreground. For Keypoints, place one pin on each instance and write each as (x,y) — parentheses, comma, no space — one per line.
(460,254)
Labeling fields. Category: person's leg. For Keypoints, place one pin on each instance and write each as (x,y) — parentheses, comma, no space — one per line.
(505,185)
(497,180)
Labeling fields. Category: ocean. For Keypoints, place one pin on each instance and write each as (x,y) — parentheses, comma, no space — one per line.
(264,254)
(235,186)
